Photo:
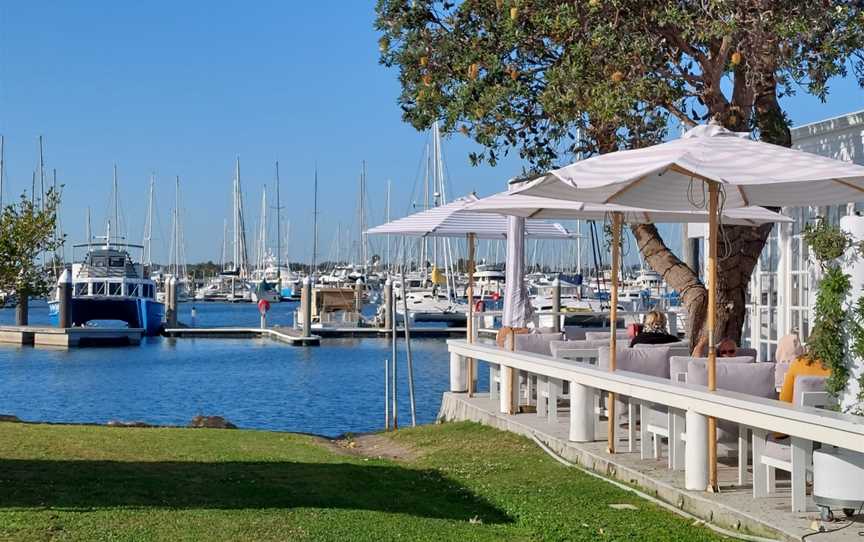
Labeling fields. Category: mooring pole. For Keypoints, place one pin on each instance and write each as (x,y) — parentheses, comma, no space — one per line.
(172,302)
(388,304)
(306,306)
(556,305)
(64,290)
(358,296)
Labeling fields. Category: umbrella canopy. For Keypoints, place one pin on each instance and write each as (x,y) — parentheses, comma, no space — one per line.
(668,175)
(455,220)
(507,203)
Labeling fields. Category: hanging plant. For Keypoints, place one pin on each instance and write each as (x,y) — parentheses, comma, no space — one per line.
(827,241)
(832,320)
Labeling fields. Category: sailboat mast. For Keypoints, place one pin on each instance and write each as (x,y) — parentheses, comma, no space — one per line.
(262,234)
(363,238)
(41,175)
(314,224)
(386,220)
(2,169)
(116,206)
(177,235)
(148,226)
(278,230)
(89,230)
(224,242)
(236,217)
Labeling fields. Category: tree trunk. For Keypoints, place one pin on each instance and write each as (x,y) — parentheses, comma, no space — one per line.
(677,275)
(22,310)
(738,250)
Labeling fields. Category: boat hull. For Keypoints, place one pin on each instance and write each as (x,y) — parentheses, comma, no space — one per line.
(146,314)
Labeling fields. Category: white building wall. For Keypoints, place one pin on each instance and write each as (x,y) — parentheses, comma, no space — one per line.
(781,297)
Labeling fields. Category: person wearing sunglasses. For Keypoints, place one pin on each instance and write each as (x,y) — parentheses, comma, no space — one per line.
(726,348)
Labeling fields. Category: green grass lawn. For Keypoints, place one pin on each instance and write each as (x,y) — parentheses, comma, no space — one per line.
(463,482)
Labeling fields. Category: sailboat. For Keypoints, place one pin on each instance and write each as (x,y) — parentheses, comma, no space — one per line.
(109,286)
(431,297)
(264,279)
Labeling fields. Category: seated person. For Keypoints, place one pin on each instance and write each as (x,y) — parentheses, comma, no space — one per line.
(803,366)
(726,348)
(653,331)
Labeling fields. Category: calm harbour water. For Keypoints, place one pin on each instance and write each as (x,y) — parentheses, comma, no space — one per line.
(257,384)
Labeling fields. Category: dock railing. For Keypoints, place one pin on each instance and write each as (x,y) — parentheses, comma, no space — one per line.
(689,403)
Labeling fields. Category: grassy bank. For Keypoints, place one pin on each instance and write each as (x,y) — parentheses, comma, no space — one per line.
(452,482)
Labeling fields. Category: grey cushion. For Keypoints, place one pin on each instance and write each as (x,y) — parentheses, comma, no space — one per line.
(604,335)
(647,361)
(747,352)
(679,344)
(678,363)
(536,343)
(574,333)
(750,378)
(805,384)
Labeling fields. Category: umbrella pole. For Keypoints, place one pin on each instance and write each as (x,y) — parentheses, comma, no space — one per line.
(469,328)
(713,212)
(613,320)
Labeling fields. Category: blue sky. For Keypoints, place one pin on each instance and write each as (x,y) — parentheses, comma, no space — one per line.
(181,88)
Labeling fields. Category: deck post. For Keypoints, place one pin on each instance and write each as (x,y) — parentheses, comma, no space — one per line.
(171,298)
(556,305)
(505,397)
(581,412)
(64,296)
(458,374)
(358,296)
(388,303)
(306,306)
(696,452)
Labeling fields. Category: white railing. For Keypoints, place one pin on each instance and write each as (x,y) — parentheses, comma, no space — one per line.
(486,317)
(693,403)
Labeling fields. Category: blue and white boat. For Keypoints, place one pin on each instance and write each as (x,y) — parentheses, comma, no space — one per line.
(109,286)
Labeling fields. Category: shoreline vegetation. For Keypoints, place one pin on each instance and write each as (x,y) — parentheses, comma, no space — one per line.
(454,481)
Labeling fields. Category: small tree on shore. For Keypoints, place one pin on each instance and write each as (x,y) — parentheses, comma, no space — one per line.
(28,230)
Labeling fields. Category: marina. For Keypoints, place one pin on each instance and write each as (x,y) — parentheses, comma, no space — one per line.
(401,270)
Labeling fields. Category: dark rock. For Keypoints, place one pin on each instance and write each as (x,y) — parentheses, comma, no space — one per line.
(9,418)
(211,422)
(118,423)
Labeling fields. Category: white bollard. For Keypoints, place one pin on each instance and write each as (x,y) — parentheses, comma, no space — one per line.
(581,413)
(696,452)
(458,374)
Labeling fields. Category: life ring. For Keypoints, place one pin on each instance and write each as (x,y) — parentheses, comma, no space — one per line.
(480,306)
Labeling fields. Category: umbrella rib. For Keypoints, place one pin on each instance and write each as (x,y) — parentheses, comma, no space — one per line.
(847,184)
(743,196)
(625,188)
(535,213)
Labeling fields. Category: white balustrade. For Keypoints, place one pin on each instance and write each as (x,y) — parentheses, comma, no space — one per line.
(690,403)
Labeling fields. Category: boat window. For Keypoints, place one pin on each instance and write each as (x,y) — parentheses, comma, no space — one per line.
(148,290)
(98,288)
(98,261)
(116,261)
(134,290)
(81,288)
(115,288)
